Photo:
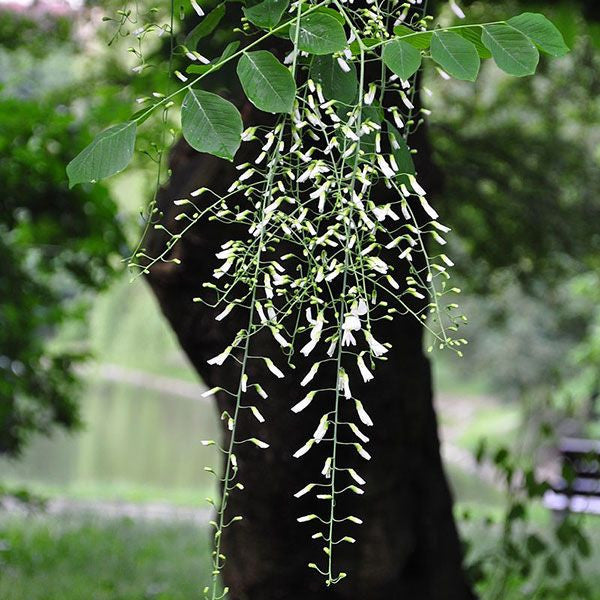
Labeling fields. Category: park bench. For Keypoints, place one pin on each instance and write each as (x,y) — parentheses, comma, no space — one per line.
(578,490)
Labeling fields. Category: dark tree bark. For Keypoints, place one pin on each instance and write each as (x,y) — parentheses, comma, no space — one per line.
(408,546)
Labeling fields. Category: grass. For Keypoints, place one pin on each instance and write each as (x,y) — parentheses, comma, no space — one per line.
(79,558)
(124,491)
(83,558)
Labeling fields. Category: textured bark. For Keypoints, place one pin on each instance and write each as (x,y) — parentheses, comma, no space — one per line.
(408,546)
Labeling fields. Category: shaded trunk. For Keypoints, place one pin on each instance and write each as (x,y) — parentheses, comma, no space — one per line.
(408,546)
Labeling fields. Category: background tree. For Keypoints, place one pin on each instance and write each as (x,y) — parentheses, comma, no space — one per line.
(57,246)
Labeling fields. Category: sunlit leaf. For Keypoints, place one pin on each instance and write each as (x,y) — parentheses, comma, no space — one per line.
(267,83)
(418,39)
(401,58)
(320,33)
(473,35)
(513,52)
(457,56)
(266,14)
(211,124)
(110,152)
(542,31)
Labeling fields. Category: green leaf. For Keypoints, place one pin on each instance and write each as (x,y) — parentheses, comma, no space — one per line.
(205,27)
(110,152)
(267,83)
(319,33)
(473,35)
(418,39)
(367,42)
(513,52)
(336,83)
(542,32)
(266,14)
(214,66)
(328,11)
(402,58)
(457,56)
(211,124)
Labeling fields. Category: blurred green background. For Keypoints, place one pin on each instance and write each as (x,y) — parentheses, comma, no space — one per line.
(101,415)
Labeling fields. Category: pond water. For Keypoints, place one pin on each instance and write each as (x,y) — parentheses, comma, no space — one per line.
(133,439)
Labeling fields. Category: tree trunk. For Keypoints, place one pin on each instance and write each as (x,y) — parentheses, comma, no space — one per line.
(408,546)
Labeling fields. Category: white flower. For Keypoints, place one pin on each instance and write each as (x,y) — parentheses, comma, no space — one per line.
(306,518)
(364,371)
(427,208)
(210,392)
(385,168)
(344,384)
(415,186)
(370,96)
(362,308)
(259,310)
(406,101)
(332,346)
(348,339)
(326,470)
(392,282)
(197,8)
(362,414)
(304,449)
(343,64)
(309,376)
(356,477)
(376,348)
(220,358)
(362,452)
(273,368)
(304,490)
(225,312)
(280,339)
(457,10)
(304,402)
(309,347)
(440,227)
(257,414)
(359,434)
(321,430)
(260,391)
(351,322)
(259,443)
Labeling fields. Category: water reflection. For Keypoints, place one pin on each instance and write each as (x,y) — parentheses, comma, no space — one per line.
(132,436)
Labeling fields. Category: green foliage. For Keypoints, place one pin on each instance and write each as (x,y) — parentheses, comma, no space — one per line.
(337,84)
(456,55)
(208,24)
(541,31)
(56,245)
(320,33)
(401,58)
(266,14)
(211,124)
(266,82)
(512,51)
(108,154)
